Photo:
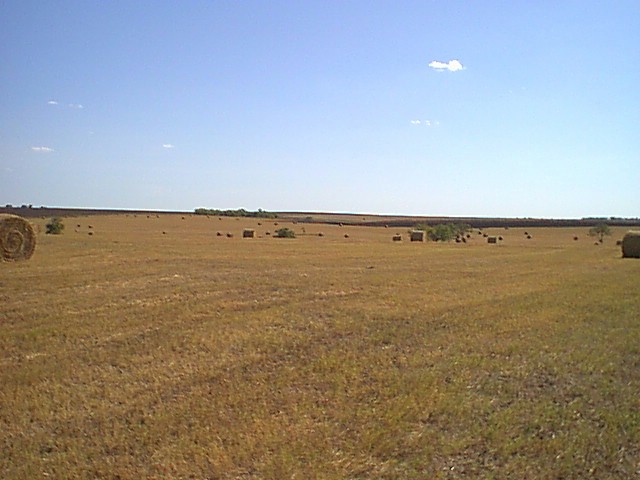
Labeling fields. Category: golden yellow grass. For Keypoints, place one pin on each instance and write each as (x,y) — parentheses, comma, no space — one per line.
(133,353)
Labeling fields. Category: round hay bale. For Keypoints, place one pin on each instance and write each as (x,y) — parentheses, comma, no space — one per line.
(631,245)
(17,238)
(218,234)
(346,235)
(575,238)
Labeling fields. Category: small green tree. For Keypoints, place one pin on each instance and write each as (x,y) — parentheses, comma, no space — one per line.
(55,226)
(600,230)
(441,233)
(285,233)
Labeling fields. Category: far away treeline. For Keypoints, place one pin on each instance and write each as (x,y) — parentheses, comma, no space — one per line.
(241,212)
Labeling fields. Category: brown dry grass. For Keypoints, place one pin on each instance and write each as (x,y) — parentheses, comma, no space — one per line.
(136,354)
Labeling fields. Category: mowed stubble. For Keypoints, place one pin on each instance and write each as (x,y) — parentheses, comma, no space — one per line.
(154,348)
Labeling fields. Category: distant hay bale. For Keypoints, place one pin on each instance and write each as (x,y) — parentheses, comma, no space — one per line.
(492,240)
(320,234)
(416,235)
(17,238)
(229,235)
(528,237)
(500,238)
(218,234)
(267,233)
(397,238)
(346,235)
(631,245)
(248,233)
(575,238)
(526,233)
(618,243)
(485,235)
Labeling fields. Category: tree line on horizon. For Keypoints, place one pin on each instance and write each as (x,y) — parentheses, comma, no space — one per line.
(241,212)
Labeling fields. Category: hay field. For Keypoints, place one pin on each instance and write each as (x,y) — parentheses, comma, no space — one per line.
(154,348)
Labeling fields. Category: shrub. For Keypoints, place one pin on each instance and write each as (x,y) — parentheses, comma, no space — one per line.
(55,226)
(600,230)
(285,233)
(444,232)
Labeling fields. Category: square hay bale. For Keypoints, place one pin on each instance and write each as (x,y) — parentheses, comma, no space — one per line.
(492,240)
(631,245)
(397,238)
(248,233)
(417,236)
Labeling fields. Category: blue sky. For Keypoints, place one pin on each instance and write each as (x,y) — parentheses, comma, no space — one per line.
(515,109)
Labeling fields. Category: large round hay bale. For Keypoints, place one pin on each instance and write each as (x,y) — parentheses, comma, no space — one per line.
(631,245)
(17,238)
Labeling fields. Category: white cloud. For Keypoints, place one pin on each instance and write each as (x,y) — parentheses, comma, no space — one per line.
(451,65)
(52,102)
(167,145)
(426,123)
(76,105)
(42,149)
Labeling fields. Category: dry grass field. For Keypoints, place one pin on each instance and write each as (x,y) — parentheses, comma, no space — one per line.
(154,348)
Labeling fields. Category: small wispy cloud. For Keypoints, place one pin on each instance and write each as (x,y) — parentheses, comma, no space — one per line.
(451,65)
(52,102)
(167,145)
(43,149)
(426,123)
(76,105)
